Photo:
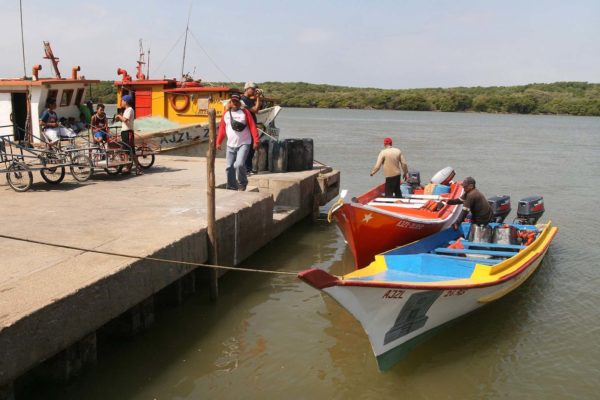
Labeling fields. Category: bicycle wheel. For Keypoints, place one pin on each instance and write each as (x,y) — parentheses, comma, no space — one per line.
(146,158)
(53,175)
(19,177)
(82,168)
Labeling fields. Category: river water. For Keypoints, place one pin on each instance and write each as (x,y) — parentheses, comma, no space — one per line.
(275,337)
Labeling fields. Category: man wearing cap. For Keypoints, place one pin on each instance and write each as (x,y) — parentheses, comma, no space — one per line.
(473,202)
(394,165)
(238,125)
(127,135)
(251,100)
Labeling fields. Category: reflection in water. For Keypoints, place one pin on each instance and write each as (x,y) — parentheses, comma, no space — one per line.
(276,337)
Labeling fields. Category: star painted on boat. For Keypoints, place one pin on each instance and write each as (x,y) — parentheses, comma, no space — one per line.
(367,218)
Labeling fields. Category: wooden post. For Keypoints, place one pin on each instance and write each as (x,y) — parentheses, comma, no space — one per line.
(210,211)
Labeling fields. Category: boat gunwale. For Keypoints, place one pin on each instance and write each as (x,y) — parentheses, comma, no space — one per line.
(333,280)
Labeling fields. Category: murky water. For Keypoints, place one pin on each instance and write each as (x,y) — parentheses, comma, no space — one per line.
(276,337)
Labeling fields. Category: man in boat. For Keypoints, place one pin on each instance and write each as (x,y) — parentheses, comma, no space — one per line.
(251,100)
(127,135)
(394,165)
(238,125)
(473,202)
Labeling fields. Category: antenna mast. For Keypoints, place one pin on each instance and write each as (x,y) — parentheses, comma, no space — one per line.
(140,75)
(50,56)
(187,28)
(22,39)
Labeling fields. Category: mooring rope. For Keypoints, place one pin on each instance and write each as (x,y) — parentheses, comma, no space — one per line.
(164,260)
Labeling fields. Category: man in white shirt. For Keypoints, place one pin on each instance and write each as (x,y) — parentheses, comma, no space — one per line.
(127,135)
(239,127)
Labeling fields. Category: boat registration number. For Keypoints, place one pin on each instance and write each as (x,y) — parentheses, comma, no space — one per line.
(409,225)
(393,294)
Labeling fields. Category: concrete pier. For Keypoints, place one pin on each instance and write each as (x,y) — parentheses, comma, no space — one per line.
(53,300)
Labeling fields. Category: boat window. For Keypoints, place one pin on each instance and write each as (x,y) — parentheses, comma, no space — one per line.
(53,94)
(66,97)
(79,96)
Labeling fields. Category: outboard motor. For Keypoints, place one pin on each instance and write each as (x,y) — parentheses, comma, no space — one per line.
(500,205)
(443,176)
(414,179)
(530,210)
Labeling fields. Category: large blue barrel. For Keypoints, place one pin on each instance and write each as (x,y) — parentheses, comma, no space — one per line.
(278,156)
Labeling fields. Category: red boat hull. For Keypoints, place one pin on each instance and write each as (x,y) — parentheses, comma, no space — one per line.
(370,230)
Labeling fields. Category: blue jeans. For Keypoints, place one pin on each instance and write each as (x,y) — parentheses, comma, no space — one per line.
(236,166)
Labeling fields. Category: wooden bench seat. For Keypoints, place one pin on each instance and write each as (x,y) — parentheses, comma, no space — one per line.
(488,261)
(471,245)
(444,250)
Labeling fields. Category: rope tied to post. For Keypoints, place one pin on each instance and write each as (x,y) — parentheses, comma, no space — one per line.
(157,259)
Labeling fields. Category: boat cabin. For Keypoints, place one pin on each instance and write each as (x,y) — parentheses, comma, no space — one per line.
(22,101)
(184,102)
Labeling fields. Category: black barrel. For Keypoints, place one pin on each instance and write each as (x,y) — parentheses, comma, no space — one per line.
(308,153)
(260,162)
(278,156)
(295,149)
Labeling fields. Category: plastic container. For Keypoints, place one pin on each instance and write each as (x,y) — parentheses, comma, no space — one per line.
(308,153)
(295,149)
(480,233)
(278,156)
(441,189)
(260,162)
(406,189)
(505,235)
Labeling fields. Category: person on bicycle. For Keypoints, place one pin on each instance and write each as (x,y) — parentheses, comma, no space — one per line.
(100,125)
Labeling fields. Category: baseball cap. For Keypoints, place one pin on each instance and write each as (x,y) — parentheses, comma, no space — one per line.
(235,97)
(127,99)
(468,181)
(250,84)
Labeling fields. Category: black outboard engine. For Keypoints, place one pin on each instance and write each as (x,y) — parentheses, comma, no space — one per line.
(530,210)
(414,179)
(500,205)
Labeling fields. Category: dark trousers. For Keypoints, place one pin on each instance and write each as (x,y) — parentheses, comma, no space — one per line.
(392,187)
(250,155)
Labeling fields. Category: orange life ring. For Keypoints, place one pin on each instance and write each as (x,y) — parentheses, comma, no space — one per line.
(185,105)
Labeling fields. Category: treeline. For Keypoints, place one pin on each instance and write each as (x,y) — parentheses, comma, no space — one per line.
(572,98)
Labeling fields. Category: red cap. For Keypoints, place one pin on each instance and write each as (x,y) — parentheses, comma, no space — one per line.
(387,141)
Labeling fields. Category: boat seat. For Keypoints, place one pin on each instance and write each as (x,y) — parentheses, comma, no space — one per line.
(489,261)
(492,246)
(399,205)
(398,199)
(444,250)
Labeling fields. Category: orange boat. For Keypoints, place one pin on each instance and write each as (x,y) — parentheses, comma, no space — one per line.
(373,224)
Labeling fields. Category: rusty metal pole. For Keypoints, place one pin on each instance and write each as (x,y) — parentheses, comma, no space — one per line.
(210,211)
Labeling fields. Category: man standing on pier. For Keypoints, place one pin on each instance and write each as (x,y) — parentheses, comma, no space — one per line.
(394,165)
(251,100)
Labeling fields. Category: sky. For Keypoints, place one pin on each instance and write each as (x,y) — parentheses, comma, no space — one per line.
(385,44)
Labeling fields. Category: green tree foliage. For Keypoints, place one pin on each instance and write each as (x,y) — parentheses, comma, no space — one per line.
(573,98)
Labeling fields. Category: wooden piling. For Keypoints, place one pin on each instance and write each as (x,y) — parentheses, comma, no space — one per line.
(210,212)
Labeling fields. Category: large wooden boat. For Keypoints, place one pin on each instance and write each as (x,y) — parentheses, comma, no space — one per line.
(408,293)
(182,103)
(372,223)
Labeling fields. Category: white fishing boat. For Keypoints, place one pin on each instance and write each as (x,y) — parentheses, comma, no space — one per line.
(22,100)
